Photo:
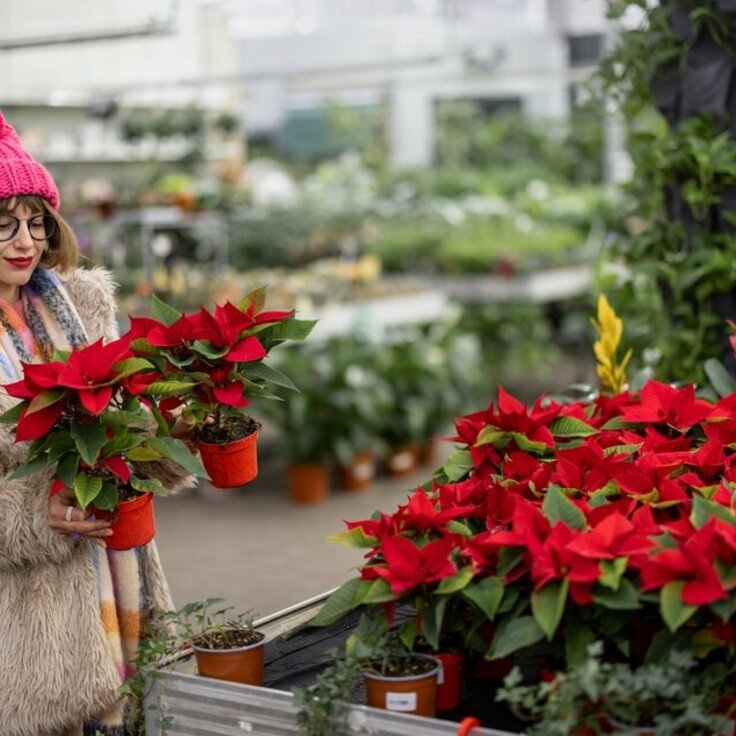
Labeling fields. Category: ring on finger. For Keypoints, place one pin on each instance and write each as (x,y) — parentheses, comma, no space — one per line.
(69,512)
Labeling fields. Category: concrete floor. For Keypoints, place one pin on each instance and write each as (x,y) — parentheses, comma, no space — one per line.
(257,549)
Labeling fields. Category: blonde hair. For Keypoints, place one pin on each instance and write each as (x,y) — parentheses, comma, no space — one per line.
(62,253)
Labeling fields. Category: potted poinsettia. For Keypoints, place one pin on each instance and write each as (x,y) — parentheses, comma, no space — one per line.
(85,422)
(610,519)
(208,365)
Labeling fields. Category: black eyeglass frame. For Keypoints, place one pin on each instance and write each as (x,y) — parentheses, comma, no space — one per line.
(51,225)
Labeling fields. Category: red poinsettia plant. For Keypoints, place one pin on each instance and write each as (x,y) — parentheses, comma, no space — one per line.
(84,419)
(569,521)
(208,365)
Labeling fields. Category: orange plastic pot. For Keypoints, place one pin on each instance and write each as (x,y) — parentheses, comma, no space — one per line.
(449,680)
(231,465)
(413,694)
(402,460)
(244,664)
(308,483)
(133,523)
(359,474)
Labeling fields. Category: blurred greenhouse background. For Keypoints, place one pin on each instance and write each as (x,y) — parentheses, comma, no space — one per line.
(435,180)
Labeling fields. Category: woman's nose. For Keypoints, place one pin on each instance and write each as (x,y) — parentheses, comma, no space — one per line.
(23,237)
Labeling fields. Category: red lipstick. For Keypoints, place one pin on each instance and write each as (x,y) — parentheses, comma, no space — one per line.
(20,262)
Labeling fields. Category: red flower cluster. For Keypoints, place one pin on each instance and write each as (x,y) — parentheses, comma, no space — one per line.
(572,520)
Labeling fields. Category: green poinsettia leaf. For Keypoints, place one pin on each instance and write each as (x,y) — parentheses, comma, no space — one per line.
(290,329)
(456,582)
(141,345)
(67,469)
(491,435)
(612,571)
(379,591)
(486,595)
(571,427)
(577,641)
(341,602)
(45,399)
(143,454)
(162,312)
(257,298)
(86,488)
(147,485)
(129,366)
(458,465)
(354,537)
(203,347)
(169,388)
(455,526)
(121,443)
(432,618)
(548,605)
(557,507)
(624,597)
(30,467)
(263,372)
(177,451)
(89,440)
(674,612)
(704,510)
(514,634)
(108,497)
(12,415)
(60,444)
(527,445)
(123,418)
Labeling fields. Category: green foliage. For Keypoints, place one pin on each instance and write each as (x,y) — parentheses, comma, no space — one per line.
(679,242)
(674,696)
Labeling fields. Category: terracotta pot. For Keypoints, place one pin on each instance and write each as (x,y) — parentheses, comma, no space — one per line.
(449,680)
(428,453)
(308,483)
(413,694)
(244,664)
(133,523)
(359,474)
(402,460)
(231,465)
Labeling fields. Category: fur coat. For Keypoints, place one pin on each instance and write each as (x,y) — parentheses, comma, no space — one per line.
(56,670)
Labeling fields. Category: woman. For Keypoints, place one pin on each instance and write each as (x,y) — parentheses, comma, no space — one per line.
(70,610)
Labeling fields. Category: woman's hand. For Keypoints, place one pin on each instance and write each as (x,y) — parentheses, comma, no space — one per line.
(66,518)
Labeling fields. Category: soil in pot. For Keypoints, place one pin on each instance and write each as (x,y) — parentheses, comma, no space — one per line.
(403,684)
(236,656)
(230,429)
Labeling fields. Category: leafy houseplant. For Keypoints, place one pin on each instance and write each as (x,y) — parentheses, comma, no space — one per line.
(661,699)
(208,365)
(87,424)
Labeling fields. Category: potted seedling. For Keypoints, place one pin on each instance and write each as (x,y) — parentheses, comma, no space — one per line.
(209,365)
(226,645)
(87,425)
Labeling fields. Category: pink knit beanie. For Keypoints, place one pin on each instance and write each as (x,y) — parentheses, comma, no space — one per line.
(20,173)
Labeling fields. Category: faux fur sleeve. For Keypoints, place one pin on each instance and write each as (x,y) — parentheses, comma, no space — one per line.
(93,293)
(25,536)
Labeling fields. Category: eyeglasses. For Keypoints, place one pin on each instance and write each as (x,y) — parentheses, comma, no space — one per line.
(40,227)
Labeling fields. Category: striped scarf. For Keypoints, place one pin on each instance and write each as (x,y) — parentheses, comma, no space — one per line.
(52,322)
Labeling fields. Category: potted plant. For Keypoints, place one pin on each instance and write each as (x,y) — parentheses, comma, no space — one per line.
(394,678)
(86,423)
(358,398)
(303,423)
(663,698)
(226,645)
(208,366)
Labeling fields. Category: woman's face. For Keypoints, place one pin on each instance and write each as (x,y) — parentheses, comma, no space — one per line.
(23,239)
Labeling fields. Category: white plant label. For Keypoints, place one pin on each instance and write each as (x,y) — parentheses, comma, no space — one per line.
(441,675)
(401,701)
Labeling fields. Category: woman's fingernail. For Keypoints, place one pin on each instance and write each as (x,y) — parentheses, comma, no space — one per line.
(107,532)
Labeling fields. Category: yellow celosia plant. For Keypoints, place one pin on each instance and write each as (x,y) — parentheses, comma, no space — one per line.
(610,329)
